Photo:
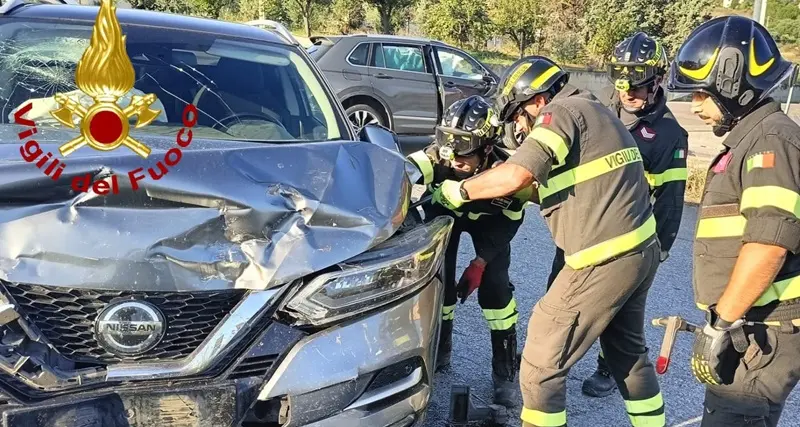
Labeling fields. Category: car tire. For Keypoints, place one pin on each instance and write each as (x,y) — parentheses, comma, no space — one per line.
(363,114)
(509,139)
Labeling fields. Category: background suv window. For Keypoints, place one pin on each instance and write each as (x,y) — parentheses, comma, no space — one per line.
(359,55)
(403,58)
(455,64)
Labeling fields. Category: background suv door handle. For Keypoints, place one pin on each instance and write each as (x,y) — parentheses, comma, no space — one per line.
(449,84)
(383,76)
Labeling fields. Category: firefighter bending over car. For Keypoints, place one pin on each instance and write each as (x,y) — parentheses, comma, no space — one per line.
(465,146)
(637,67)
(747,241)
(595,200)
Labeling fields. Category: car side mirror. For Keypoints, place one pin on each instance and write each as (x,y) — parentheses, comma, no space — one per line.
(488,78)
(379,135)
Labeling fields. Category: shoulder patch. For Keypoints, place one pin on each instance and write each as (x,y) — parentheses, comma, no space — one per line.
(679,154)
(763,160)
(720,165)
(544,119)
(647,133)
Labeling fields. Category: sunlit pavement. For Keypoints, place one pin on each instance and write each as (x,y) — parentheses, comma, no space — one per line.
(532,254)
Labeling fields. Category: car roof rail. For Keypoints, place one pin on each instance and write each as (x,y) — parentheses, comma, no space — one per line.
(277,27)
(11,5)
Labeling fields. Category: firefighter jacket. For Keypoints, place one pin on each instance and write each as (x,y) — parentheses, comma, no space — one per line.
(664,145)
(593,192)
(752,194)
(435,170)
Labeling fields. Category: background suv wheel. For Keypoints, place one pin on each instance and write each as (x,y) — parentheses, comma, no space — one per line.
(361,115)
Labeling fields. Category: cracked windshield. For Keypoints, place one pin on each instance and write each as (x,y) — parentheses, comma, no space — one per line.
(242,90)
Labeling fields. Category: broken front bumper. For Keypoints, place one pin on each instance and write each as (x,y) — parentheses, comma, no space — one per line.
(372,371)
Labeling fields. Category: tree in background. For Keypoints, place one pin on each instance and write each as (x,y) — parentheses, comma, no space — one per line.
(388,9)
(346,16)
(681,17)
(564,29)
(306,11)
(521,28)
(250,10)
(461,22)
(210,8)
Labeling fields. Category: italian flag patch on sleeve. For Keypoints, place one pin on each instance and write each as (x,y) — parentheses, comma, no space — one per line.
(764,160)
(680,153)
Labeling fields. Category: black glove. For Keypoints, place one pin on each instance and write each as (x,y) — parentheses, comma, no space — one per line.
(717,350)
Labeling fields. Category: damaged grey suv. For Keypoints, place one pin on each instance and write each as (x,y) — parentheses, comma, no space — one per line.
(193,234)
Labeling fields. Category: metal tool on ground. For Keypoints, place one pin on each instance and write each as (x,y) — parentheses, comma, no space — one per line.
(464,411)
(673,324)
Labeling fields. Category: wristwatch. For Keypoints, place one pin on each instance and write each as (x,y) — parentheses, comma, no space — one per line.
(464,194)
(718,322)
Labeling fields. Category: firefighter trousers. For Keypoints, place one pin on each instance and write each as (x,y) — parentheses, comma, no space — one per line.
(605,301)
(491,237)
(767,373)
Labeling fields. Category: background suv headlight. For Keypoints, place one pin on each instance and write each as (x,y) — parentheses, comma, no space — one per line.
(386,273)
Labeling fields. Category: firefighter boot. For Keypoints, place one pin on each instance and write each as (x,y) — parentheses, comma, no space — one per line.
(504,366)
(601,383)
(445,345)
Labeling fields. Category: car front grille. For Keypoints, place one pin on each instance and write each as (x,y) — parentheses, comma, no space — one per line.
(66,317)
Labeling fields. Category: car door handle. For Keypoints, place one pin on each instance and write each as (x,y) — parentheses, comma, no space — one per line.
(383,76)
(449,84)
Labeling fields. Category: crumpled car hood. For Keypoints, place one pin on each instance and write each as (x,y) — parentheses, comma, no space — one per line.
(229,215)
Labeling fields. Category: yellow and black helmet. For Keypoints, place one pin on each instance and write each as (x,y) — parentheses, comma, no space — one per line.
(467,126)
(526,78)
(734,60)
(637,61)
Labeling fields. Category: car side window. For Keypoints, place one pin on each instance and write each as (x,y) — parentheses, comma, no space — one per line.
(359,55)
(457,65)
(403,58)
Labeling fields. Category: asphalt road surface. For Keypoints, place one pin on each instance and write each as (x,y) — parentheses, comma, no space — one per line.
(532,254)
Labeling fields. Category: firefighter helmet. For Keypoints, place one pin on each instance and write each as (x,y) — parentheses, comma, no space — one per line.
(467,125)
(526,78)
(735,61)
(637,61)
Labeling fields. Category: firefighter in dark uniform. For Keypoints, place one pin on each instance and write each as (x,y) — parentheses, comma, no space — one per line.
(465,146)
(593,194)
(747,238)
(637,67)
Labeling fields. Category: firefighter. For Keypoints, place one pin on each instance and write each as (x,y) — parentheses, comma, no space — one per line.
(747,238)
(593,194)
(465,146)
(637,68)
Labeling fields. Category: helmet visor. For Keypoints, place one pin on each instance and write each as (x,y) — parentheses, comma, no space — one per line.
(627,77)
(461,142)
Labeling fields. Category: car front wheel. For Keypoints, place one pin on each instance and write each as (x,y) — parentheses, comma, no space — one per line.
(361,115)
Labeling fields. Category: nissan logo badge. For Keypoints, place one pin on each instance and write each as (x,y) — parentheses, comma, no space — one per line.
(129,328)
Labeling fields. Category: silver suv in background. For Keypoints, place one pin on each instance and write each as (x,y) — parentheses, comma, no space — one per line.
(402,83)
(268,277)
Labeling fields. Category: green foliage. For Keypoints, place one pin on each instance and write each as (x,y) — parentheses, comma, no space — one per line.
(249,10)
(682,17)
(345,16)
(391,12)
(461,22)
(522,28)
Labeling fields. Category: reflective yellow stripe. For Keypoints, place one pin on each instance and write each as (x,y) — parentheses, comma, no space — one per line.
(605,250)
(645,405)
(544,419)
(513,215)
(553,141)
(724,226)
(782,291)
(659,420)
(770,195)
(448,312)
(659,179)
(514,78)
(702,72)
(504,324)
(500,313)
(636,408)
(424,164)
(590,170)
(542,79)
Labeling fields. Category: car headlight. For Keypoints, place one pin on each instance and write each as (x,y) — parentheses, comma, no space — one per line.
(388,272)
